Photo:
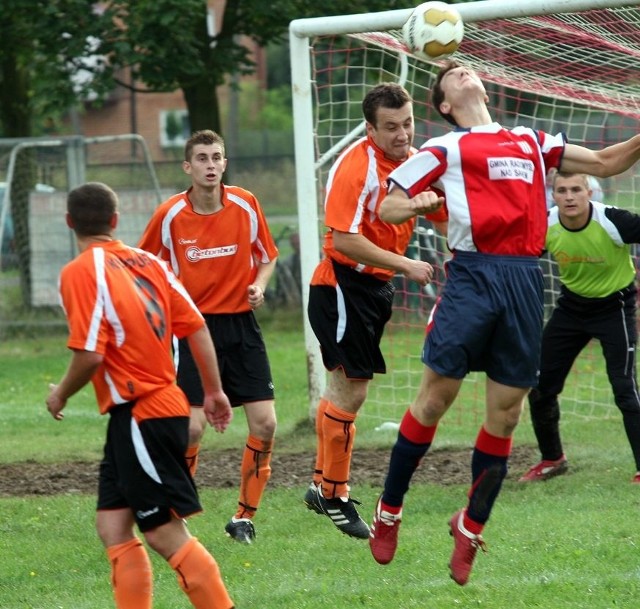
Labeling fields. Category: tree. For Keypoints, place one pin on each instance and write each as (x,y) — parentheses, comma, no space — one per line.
(166,44)
(44,46)
(47,50)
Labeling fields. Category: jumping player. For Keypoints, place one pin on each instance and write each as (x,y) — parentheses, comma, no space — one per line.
(490,314)
(351,293)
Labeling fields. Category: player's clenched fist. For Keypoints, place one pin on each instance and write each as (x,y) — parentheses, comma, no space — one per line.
(425,203)
(418,271)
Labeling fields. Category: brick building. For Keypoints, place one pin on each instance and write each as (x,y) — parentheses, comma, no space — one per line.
(157,116)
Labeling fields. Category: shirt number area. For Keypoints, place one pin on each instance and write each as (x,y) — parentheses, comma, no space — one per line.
(153,312)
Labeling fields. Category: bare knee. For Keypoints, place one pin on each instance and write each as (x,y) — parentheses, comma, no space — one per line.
(167,538)
(197,425)
(115,526)
(348,394)
(261,419)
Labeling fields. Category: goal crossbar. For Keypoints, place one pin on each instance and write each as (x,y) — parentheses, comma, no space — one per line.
(483,10)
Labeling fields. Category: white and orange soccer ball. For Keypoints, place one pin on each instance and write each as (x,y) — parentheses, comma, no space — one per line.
(434,30)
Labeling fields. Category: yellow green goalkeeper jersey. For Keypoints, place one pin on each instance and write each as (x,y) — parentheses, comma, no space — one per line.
(595,261)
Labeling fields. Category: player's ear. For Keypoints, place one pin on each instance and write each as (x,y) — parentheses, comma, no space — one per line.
(68,220)
(114,220)
(445,107)
(186,167)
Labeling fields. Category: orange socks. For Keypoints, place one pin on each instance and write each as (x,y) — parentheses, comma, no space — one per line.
(339,432)
(317,472)
(255,472)
(131,576)
(192,458)
(199,577)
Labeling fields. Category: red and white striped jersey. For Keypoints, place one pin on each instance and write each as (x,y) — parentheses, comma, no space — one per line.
(493,181)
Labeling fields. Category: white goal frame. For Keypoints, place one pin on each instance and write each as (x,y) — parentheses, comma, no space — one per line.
(300,33)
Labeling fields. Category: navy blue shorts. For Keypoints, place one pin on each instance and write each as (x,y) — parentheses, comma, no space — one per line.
(489,318)
(144,469)
(242,359)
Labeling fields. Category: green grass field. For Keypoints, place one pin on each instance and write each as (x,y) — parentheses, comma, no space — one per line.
(569,543)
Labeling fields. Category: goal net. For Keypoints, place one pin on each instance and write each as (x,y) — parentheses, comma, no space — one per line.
(567,65)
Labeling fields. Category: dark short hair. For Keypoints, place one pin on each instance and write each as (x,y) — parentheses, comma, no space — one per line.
(384,95)
(91,208)
(567,174)
(437,94)
(207,137)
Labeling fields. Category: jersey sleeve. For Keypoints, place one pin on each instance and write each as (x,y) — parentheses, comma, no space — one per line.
(344,199)
(84,309)
(265,249)
(627,223)
(151,240)
(420,171)
(552,147)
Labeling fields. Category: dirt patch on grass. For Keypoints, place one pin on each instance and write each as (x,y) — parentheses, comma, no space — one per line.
(220,469)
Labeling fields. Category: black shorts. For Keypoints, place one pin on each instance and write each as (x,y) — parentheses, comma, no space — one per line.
(144,469)
(349,321)
(242,359)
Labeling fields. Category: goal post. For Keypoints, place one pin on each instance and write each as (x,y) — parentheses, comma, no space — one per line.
(559,65)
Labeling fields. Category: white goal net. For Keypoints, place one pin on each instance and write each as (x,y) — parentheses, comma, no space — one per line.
(566,65)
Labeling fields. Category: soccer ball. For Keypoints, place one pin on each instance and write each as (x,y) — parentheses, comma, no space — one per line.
(433,31)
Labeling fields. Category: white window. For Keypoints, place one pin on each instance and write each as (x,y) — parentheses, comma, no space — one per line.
(174,128)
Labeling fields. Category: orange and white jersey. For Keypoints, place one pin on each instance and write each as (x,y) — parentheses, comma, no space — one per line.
(214,255)
(126,304)
(356,185)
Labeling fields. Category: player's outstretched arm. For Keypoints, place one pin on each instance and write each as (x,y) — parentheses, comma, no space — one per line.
(609,161)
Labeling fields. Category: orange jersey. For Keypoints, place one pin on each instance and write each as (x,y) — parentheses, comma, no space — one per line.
(356,185)
(214,255)
(126,304)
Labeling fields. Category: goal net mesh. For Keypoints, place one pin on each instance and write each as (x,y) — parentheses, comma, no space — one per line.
(573,72)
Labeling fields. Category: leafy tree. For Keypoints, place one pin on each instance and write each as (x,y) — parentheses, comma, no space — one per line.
(167,46)
(43,47)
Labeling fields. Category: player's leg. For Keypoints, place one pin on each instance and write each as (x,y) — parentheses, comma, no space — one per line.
(197,426)
(510,356)
(344,399)
(255,468)
(310,496)
(488,470)
(336,435)
(131,574)
(348,319)
(197,571)
(161,493)
(563,339)
(618,337)
(248,381)
(417,430)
